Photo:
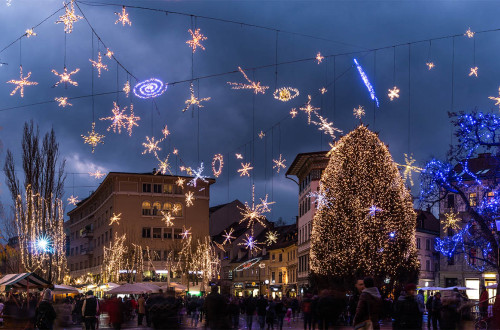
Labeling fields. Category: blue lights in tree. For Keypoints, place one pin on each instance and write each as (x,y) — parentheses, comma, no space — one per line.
(367,82)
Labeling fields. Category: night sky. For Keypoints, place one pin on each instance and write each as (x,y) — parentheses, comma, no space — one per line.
(155,46)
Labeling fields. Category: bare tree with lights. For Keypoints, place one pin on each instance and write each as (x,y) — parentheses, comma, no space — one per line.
(365,222)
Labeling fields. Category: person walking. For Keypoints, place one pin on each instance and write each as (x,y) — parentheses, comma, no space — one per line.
(428,307)
(437,306)
(90,310)
(359,286)
(141,309)
(369,306)
(407,313)
(280,312)
(483,302)
(306,307)
(45,313)
(261,312)
(270,315)
(216,310)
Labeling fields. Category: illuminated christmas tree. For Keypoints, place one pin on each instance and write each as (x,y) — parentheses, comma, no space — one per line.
(365,223)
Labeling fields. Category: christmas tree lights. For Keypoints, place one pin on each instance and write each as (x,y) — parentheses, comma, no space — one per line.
(366,82)
(196,40)
(257,88)
(21,83)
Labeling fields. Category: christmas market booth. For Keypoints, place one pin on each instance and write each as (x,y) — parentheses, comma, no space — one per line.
(23,281)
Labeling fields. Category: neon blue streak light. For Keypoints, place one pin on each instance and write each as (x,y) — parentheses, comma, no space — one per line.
(367,82)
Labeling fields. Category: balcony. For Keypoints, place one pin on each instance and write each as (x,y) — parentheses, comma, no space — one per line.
(88,233)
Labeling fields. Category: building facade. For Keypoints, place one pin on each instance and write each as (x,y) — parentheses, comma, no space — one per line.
(426,234)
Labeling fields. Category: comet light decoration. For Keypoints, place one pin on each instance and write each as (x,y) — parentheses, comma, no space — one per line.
(285,94)
(109,54)
(115,218)
(257,88)
(359,112)
(151,146)
(293,112)
(126,88)
(99,65)
(469,33)
(189,198)
(193,100)
(250,243)
(473,71)
(123,17)
(180,182)
(326,126)
(367,83)
(323,90)
(247,265)
(150,88)
(220,246)
(131,120)
(261,135)
(255,213)
(164,166)
(409,168)
(196,40)
(65,77)
(185,232)
(279,163)
(319,58)
(118,119)
(167,218)
(30,33)
(73,200)
(197,176)
(497,99)
(217,164)
(228,236)
(69,17)
(244,170)
(393,93)
(308,109)
(451,221)
(97,174)
(239,156)
(62,102)
(23,81)
(430,65)
(271,237)
(372,210)
(93,138)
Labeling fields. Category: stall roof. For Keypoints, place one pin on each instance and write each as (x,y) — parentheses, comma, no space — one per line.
(21,280)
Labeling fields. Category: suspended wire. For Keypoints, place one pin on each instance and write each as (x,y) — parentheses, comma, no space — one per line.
(409,95)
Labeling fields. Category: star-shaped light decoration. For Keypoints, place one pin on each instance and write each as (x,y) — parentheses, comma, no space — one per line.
(308,109)
(409,168)
(196,40)
(189,198)
(193,100)
(176,208)
(97,174)
(261,135)
(165,131)
(430,65)
(451,221)
(185,232)
(164,166)
(293,112)
(65,77)
(73,200)
(197,176)
(109,54)
(30,33)
(320,198)
(23,81)
(115,218)
(62,102)
(175,152)
(126,88)
(151,146)
(271,237)
(250,243)
(255,213)
(359,112)
(323,90)
(469,33)
(239,156)
(69,17)
(473,71)
(118,119)
(279,163)
(393,93)
(497,99)
(257,88)
(227,236)
(123,17)
(372,210)
(93,138)
(131,120)
(99,65)
(167,218)
(244,169)
(319,58)
(326,126)
(180,182)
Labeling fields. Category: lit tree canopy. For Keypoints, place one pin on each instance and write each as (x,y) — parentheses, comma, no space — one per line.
(368,226)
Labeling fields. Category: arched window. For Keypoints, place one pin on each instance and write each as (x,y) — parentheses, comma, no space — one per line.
(177,210)
(156,208)
(167,207)
(146,208)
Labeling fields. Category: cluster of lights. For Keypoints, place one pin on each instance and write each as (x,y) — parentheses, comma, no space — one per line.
(358,112)
(69,17)
(30,33)
(114,258)
(150,88)
(451,221)
(73,200)
(469,33)
(473,71)
(430,65)
(293,112)
(261,135)
(151,146)
(93,138)
(320,198)
(255,213)
(164,166)
(279,164)
(198,175)
(367,83)
(97,174)
(167,218)
(123,17)
(185,232)
(257,88)
(245,169)
(319,58)
(372,210)
(126,88)
(228,236)
(189,198)
(308,109)
(98,64)
(217,164)
(238,156)
(109,53)
(65,77)
(23,81)
(250,243)
(115,218)
(119,119)
(285,94)
(325,126)
(193,100)
(393,93)
(323,90)
(196,40)
(180,182)
(271,237)
(496,98)
(409,168)
(63,102)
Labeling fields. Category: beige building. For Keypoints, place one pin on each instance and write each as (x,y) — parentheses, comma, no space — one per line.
(426,234)
(139,199)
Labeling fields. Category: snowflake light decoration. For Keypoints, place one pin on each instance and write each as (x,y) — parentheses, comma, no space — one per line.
(409,168)
(123,18)
(255,213)
(452,221)
(115,218)
(279,163)
(69,17)
(308,109)
(167,218)
(326,126)
(126,88)
(23,81)
(176,151)
(97,174)
(497,99)
(430,65)
(359,112)
(62,101)
(131,120)
(180,182)
(151,146)
(65,77)
(118,119)
(99,65)
(164,166)
(93,138)
(109,53)
(320,198)
(285,94)
(261,135)
(227,236)
(185,232)
(293,112)
(30,33)
(323,90)
(250,243)
(244,169)
(319,58)
(196,40)
(257,88)
(473,71)
(193,100)
(393,93)
(165,131)
(73,200)
(197,176)
(469,33)
(271,237)
(217,164)
(239,156)
(372,210)
(189,198)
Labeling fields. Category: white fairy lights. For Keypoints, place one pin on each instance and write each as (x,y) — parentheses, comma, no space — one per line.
(358,112)
(189,198)
(73,200)
(197,176)
(115,218)
(97,174)
(497,99)
(193,100)
(319,58)
(217,164)
(308,109)
(257,88)
(393,93)
(279,163)
(285,94)
(196,40)
(65,77)
(62,102)
(23,81)
(93,138)
(409,168)
(69,17)
(469,33)
(244,170)
(473,71)
(151,146)
(117,118)
(123,17)
(99,65)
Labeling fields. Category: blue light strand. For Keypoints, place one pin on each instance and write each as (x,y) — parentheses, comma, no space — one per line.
(367,82)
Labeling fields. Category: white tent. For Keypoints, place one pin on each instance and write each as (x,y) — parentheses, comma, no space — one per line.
(177,287)
(459,288)
(129,288)
(58,289)
(430,288)
(152,287)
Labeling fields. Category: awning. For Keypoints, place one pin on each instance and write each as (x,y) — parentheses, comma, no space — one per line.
(64,289)
(21,281)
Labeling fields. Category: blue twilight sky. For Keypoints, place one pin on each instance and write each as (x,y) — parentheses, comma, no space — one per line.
(154,46)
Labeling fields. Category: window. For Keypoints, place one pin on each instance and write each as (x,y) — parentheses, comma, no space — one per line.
(472,283)
(167,233)
(105,237)
(427,244)
(156,232)
(177,233)
(98,240)
(156,208)
(167,207)
(167,189)
(146,187)
(280,258)
(177,210)
(273,256)
(418,243)
(473,199)
(146,232)
(157,188)
(157,255)
(146,208)
(273,277)
(72,250)
(451,261)
(491,196)
(451,201)
(165,255)
(280,277)
(428,265)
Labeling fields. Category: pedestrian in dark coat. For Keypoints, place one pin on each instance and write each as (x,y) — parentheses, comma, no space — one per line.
(45,313)
(406,311)
(369,305)
(437,306)
(359,286)
(216,310)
